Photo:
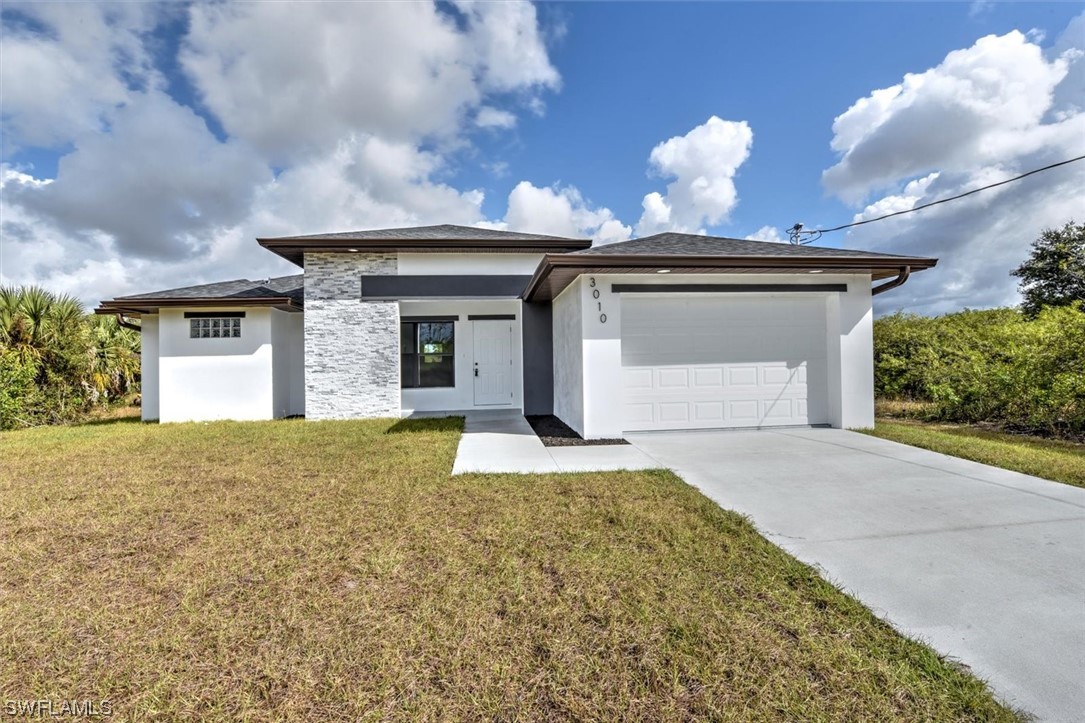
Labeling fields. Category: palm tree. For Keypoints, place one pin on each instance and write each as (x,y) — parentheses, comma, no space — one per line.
(114,357)
(76,360)
(33,320)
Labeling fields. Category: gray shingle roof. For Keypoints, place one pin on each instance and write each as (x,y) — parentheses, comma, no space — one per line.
(685,244)
(291,286)
(442,232)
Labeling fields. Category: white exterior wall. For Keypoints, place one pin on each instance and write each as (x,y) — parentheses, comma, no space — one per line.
(468,264)
(602,320)
(148,368)
(569,357)
(854,322)
(462,395)
(594,408)
(206,379)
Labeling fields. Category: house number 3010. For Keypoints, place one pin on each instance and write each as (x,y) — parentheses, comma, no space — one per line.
(595,295)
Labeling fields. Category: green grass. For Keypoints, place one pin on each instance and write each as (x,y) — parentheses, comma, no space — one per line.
(1051,459)
(333,570)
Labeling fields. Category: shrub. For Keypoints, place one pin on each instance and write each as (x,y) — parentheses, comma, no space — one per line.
(17,389)
(56,362)
(987,366)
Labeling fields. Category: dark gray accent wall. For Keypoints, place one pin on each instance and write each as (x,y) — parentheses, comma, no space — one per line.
(421,287)
(214,314)
(719,288)
(538,329)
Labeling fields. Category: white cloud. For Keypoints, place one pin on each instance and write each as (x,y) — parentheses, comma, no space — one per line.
(1070,94)
(561,211)
(906,200)
(159,183)
(67,80)
(983,115)
(508,46)
(768,233)
(366,182)
(295,83)
(358,107)
(490,117)
(703,164)
(981,105)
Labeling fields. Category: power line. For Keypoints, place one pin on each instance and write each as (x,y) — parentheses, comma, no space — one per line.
(797,233)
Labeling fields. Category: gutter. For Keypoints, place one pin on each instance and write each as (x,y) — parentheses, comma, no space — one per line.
(902,276)
(127,324)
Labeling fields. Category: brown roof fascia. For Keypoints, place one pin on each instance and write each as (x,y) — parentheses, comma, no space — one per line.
(669,261)
(150,305)
(293,249)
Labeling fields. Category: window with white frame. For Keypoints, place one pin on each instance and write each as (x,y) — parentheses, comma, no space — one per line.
(214,326)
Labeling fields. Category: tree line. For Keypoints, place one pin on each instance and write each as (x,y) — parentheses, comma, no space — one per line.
(59,364)
(1020,368)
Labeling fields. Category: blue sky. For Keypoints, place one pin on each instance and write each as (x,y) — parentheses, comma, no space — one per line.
(786,68)
(145,146)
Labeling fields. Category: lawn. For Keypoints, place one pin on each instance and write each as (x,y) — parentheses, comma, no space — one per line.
(300,570)
(1052,459)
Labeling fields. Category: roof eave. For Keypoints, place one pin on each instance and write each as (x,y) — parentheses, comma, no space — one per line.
(785,264)
(137,307)
(294,249)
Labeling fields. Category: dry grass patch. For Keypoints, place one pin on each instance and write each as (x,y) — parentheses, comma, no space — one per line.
(1053,459)
(294,571)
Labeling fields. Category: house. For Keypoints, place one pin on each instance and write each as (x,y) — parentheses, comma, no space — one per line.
(672,331)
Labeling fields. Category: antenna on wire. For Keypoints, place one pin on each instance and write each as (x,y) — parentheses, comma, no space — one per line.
(800,237)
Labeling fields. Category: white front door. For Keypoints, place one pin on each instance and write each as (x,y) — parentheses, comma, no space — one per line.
(493,362)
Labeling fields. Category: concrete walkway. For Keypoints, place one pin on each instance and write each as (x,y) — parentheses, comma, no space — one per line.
(503,441)
(985,565)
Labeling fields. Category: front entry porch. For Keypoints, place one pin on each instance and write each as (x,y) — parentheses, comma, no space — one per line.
(461,355)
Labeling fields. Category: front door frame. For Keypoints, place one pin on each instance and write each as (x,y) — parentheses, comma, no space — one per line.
(481,367)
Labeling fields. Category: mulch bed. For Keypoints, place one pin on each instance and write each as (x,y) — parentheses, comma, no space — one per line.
(555,433)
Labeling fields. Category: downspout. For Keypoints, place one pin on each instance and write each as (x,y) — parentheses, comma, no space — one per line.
(127,324)
(902,276)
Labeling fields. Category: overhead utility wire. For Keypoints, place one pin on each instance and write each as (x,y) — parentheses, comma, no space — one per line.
(796,232)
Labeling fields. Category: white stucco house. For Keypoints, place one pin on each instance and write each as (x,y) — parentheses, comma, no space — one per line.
(672,331)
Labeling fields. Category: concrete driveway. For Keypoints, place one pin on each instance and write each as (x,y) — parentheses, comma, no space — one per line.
(985,565)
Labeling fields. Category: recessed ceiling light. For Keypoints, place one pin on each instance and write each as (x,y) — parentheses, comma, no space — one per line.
(663,271)
(815,271)
(353,250)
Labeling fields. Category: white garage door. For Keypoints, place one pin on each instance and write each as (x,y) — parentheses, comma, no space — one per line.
(699,362)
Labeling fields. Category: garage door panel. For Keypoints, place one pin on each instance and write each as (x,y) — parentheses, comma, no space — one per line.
(708,411)
(744,412)
(723,362)
(643,413)
(633,379)
(672,412)
(782,375)
(670,378)
(742,376)
(777,409)
(707,377)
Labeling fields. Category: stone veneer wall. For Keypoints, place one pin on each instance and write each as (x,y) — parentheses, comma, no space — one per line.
(351,346)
